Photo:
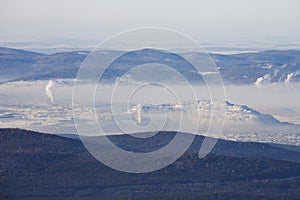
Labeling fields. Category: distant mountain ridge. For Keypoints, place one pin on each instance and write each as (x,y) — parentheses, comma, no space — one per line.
(245,68)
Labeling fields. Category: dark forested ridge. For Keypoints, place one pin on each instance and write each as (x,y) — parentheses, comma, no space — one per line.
(42,166)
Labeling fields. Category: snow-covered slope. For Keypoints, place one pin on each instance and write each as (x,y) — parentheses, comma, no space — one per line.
(247,68)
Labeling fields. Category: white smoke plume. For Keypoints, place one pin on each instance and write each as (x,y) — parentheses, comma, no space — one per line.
(48,91)
(263,79)
(139,113)
(288,78)
(259,81)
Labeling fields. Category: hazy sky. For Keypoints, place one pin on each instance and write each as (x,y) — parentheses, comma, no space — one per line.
(23,20)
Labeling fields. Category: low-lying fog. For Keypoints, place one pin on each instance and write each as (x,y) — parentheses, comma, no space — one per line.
(29,105)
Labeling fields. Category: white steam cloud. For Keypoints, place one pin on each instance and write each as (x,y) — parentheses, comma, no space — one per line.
(48,91)
(288,78)
(259,81)
(263,79)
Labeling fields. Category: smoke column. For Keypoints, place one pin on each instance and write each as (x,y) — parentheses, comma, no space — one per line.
(288,78)
(260,80)
(48,91)
(139,113)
